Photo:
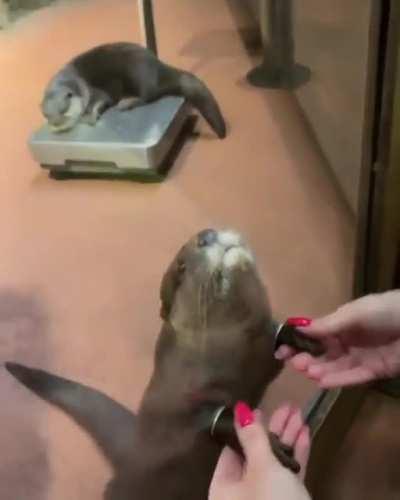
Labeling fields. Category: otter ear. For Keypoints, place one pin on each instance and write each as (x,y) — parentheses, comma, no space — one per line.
(169,285)
(164,311)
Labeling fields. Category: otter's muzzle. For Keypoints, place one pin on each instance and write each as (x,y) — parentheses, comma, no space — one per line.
(224,249)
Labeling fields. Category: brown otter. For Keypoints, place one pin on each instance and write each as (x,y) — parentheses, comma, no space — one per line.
(4,13)
(215,347)
(123,74)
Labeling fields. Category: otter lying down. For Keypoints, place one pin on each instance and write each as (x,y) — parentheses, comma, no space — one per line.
(125,75)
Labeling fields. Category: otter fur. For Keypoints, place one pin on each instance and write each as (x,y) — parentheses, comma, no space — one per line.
(122,74)
(216,347)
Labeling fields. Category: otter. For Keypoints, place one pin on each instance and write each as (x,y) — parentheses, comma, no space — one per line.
(216,346)
(4,13)
(122,74)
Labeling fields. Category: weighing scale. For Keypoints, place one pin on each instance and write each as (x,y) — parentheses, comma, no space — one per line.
(135,144)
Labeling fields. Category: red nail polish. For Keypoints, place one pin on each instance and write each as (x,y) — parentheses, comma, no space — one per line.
(302,322)
(243,414)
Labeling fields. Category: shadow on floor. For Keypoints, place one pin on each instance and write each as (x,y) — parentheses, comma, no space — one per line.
(24,465)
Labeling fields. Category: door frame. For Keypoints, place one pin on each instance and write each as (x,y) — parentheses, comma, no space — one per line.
(378,221)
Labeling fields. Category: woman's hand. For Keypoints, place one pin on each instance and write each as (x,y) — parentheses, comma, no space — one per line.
(262,477)
(362,341)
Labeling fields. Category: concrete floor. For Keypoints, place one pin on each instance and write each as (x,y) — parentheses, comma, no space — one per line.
(81,261)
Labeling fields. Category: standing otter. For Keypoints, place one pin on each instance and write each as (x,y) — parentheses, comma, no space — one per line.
(123,74)
(216,347)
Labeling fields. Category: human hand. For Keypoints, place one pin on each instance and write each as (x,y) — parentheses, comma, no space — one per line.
(262,477)
(362,342)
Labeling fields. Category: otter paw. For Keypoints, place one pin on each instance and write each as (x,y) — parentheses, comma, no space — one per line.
(92,117)
(292,337)
(283,453)
(89,120)
(127,103)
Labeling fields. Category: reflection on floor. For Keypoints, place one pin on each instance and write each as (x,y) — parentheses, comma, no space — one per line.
(80,262)
(367,466)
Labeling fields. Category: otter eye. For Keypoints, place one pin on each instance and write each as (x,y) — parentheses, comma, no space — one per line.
(69,95)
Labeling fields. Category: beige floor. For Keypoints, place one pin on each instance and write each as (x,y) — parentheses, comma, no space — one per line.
(80,262)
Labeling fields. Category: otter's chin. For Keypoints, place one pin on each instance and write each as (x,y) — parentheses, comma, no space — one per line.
(237,257)
(227,259)
(70,118)
(228,252)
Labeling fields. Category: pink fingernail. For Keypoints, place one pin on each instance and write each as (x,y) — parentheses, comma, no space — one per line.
(243,414)
(302,322)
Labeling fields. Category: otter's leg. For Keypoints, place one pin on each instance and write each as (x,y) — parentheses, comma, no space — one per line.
(129,103)
(283,453)
(99,102)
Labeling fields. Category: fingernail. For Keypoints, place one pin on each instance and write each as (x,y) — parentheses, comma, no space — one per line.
(243,414)
(302,322)
(279,354)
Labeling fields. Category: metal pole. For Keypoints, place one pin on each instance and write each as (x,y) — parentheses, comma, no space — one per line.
(278,68)
(147,25)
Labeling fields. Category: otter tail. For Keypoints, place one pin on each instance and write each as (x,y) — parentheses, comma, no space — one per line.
(109,423)
(200,97)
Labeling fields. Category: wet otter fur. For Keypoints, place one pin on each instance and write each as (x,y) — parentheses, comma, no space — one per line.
(123,74)
(215,347)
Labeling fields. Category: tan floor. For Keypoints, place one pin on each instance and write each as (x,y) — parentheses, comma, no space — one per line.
(80,262)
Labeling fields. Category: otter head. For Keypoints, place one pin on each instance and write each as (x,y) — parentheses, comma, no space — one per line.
(62,106)
(212,283)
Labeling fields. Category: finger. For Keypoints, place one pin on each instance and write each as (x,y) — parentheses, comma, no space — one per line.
(320,370)
(229,468)
(345,319)
(302,361)
(279,419)
(354,376)
(252,437)
(302,450)
(334,348)
(284,352)
(292,429)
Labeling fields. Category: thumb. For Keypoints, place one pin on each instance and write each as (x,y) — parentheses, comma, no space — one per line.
(253,438)
(346,319)
(229,469)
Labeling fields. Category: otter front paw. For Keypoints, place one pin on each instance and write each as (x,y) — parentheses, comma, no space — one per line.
(128,103)
(292,337)
(91,119)
(283,453)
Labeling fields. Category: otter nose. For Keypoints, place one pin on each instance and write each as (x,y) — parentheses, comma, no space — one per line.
(207,238)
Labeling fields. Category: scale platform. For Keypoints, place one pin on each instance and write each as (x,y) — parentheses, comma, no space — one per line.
(131,144)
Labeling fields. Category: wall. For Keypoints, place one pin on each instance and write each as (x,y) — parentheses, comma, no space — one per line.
(332,39)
